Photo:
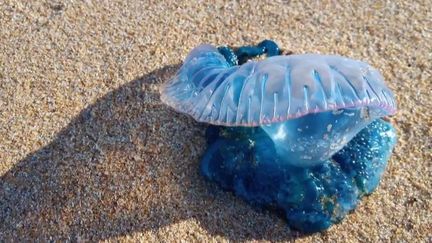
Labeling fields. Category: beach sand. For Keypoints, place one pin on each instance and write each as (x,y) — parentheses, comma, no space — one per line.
(89,152)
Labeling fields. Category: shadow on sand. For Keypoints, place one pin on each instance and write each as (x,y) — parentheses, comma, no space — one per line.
(125,164)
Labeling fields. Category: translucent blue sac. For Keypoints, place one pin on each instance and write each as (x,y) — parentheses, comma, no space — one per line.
(246,161)
(314,138)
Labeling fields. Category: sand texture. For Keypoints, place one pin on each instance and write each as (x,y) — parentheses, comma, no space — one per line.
(88,151)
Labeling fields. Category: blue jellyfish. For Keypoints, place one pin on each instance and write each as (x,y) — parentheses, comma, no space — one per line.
(299,133)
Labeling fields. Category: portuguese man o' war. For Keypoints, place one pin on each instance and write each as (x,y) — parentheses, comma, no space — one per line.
(299,133)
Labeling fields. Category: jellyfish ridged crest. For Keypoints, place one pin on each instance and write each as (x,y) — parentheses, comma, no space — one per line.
(273,90)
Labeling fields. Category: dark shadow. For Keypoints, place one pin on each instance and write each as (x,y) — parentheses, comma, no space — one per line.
(125,164)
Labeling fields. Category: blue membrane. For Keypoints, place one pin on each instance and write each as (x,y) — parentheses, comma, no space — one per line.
(247,162)
(315,138)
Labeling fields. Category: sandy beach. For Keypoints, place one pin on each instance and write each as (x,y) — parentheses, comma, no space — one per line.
(88,152)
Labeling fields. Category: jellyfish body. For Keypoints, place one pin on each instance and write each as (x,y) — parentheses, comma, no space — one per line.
(301,133)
